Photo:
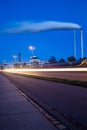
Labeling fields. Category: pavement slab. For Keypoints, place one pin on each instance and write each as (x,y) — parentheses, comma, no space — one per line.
(17,113)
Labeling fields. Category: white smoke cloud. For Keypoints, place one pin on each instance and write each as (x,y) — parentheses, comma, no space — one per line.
(21,27)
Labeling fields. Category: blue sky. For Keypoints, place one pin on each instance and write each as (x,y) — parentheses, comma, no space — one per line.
(58,43)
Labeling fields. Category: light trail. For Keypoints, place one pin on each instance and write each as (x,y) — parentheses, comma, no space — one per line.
(45,70)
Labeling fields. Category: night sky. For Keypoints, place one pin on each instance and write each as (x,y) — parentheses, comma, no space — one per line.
(58,43)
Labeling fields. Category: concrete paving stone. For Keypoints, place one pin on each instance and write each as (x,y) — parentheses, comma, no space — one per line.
(9,95)
(17,113)
(26,121)
(61,127)
(6,88)
(10,98)
(56,122)
(14,107)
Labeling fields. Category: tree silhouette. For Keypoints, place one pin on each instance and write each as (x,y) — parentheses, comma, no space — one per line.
(61,60)
(52,59)
(71,59)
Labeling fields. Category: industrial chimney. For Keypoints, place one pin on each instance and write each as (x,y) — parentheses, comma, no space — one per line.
(19,57)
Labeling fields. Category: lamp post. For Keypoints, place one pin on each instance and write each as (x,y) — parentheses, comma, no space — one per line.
(32,48)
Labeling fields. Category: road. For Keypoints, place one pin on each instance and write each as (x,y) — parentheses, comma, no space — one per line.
(81,76)
(69,100)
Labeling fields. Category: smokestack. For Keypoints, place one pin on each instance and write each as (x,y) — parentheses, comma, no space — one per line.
(74,43)
(19,57)
(82,51)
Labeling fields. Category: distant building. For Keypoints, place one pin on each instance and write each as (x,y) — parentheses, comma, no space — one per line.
(34,61)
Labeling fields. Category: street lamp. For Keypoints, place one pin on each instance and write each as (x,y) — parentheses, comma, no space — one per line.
(32,48)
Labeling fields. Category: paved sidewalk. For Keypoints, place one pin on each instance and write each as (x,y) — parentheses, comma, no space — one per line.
(17,113)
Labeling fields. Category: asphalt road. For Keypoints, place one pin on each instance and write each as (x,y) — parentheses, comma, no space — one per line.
(81,76)
(66,99)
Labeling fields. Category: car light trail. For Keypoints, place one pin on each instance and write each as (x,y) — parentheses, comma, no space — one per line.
(45,70)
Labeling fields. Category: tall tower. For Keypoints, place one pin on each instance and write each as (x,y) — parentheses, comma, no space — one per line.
(19,57)
(82,48)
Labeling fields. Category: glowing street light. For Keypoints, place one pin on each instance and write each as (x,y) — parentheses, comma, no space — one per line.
(32,48)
